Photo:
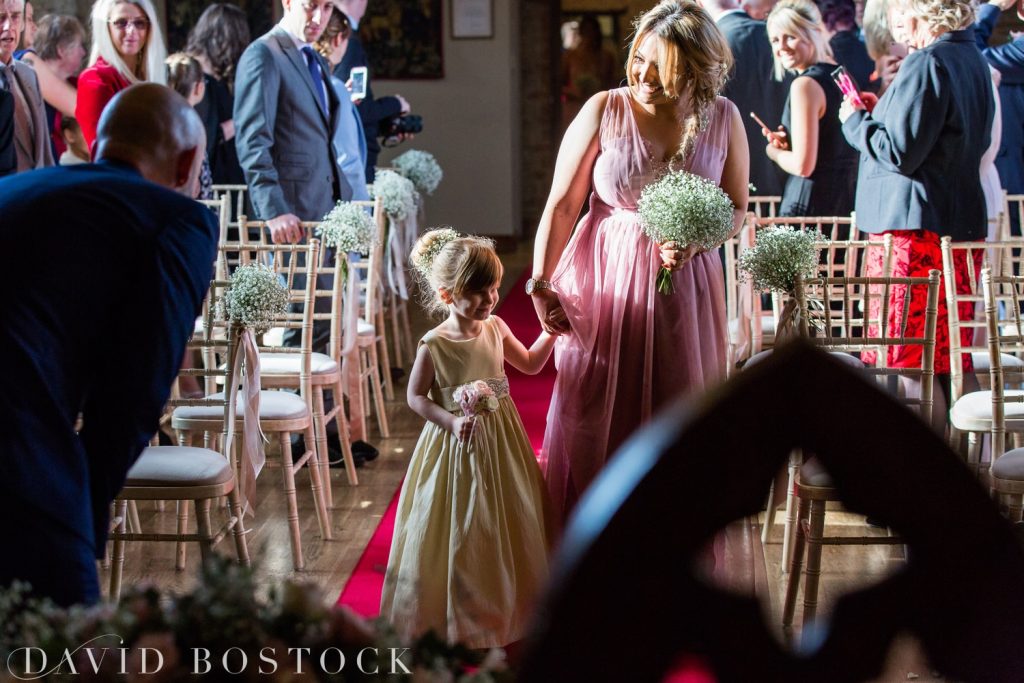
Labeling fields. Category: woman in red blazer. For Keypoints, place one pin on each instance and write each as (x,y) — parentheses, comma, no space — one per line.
(127,48)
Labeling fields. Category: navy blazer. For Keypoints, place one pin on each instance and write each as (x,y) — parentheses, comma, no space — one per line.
(1008,60)
(921,148)
(752,88)
(105,275)
(371,110)
(8,156)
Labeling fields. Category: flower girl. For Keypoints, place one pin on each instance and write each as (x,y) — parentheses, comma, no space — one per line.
(470,550)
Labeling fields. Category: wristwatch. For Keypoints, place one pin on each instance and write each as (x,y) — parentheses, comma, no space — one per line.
(536,285)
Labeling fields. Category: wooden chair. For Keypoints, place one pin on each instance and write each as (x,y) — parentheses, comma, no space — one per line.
(764,206)
(854,328)
(183,474)
(281,364)
(1006,473)
(970,411)
(281,413)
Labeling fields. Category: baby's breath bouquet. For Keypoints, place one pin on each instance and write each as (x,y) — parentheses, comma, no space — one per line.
(779,255)
(430,246)
(256,298)
(397,193)
(687,209)
(421,168)
(348,227)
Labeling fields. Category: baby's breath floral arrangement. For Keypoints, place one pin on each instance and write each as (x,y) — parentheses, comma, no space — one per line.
(687,209)
(222,626)
(348,227)
(256,298)
(429,246)
(778,256)
(398,194)
(421,168)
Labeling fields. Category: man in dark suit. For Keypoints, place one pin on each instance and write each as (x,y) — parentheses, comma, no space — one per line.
(286,116)
(372,111)
(107,267)
(1008,60)
(752,87)
(8,156)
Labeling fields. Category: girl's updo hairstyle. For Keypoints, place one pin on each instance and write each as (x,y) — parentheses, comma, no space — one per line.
(444,258)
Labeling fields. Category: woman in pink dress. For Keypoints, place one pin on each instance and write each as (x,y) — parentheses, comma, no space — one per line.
(627,350)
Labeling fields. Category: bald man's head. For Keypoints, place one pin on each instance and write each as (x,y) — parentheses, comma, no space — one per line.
(155,130)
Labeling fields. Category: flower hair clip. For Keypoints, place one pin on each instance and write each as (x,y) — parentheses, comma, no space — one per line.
(423,260)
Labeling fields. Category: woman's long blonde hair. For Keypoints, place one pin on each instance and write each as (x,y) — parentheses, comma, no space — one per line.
(693,57)
(152,55)
(802,18)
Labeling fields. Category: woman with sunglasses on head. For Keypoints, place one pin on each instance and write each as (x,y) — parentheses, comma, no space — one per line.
(127,48)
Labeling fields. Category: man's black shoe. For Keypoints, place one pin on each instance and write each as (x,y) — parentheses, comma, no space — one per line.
(365,450)
(397,374)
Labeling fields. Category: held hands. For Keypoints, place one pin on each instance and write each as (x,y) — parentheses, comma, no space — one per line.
(550,312)
(285,228)
(675,257)
(462,427)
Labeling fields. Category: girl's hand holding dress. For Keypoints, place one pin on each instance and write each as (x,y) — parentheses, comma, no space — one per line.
(462,427)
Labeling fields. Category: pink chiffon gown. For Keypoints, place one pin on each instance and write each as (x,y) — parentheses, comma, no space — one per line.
(631,350)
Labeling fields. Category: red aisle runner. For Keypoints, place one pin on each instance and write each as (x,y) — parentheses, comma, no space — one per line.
(532,394)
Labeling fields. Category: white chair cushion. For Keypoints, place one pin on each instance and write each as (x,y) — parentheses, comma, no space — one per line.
(767,328)
(1010,465)
(366,328)
(973,412)
(274,405)
(179,466)
(290,363)
(812,473)
(982,364)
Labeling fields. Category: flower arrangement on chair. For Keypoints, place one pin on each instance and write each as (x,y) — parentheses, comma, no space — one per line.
(256,298)
(780,256)
(397,193)
(421,168)
(348,227)
(687,209)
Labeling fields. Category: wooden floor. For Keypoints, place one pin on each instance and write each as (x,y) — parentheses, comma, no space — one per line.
(359,509)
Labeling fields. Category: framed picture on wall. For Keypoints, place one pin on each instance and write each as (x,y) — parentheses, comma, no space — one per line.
(403,39)
(473,19)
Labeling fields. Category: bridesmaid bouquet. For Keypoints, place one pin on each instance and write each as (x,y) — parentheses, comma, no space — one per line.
(687,209)
(348,227)
(475,398)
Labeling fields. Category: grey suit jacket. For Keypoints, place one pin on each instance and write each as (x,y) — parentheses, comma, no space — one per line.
(41,150)
(920,150)
(283,137)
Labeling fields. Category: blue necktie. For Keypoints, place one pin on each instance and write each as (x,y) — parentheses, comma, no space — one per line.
(314,72)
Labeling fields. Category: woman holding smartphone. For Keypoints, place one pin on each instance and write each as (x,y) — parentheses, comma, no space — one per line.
(809,145)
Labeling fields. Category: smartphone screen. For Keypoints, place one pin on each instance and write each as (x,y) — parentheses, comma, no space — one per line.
(358,76)
(845,81)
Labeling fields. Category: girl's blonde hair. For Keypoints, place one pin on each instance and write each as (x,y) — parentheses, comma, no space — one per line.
(877,37)
(940,16)
(151,57)
(692,54)
(183,73)
(459,265)
(800,18)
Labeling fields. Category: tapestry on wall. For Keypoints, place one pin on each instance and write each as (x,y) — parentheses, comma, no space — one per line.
(403,38)
(182,15)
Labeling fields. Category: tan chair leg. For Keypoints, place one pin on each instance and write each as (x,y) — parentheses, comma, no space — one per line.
(396,330)
(384,365)
(410,348)
(319,492)
(769,515)
(182,530)
(238,530)
(378,394)
(816,530)
(205,528)
(288,473)
(323,454)
(345,437)
(795,458)
(117,564)
(793,582)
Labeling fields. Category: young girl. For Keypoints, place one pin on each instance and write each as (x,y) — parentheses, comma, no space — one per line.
(469,554)
(185,76)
